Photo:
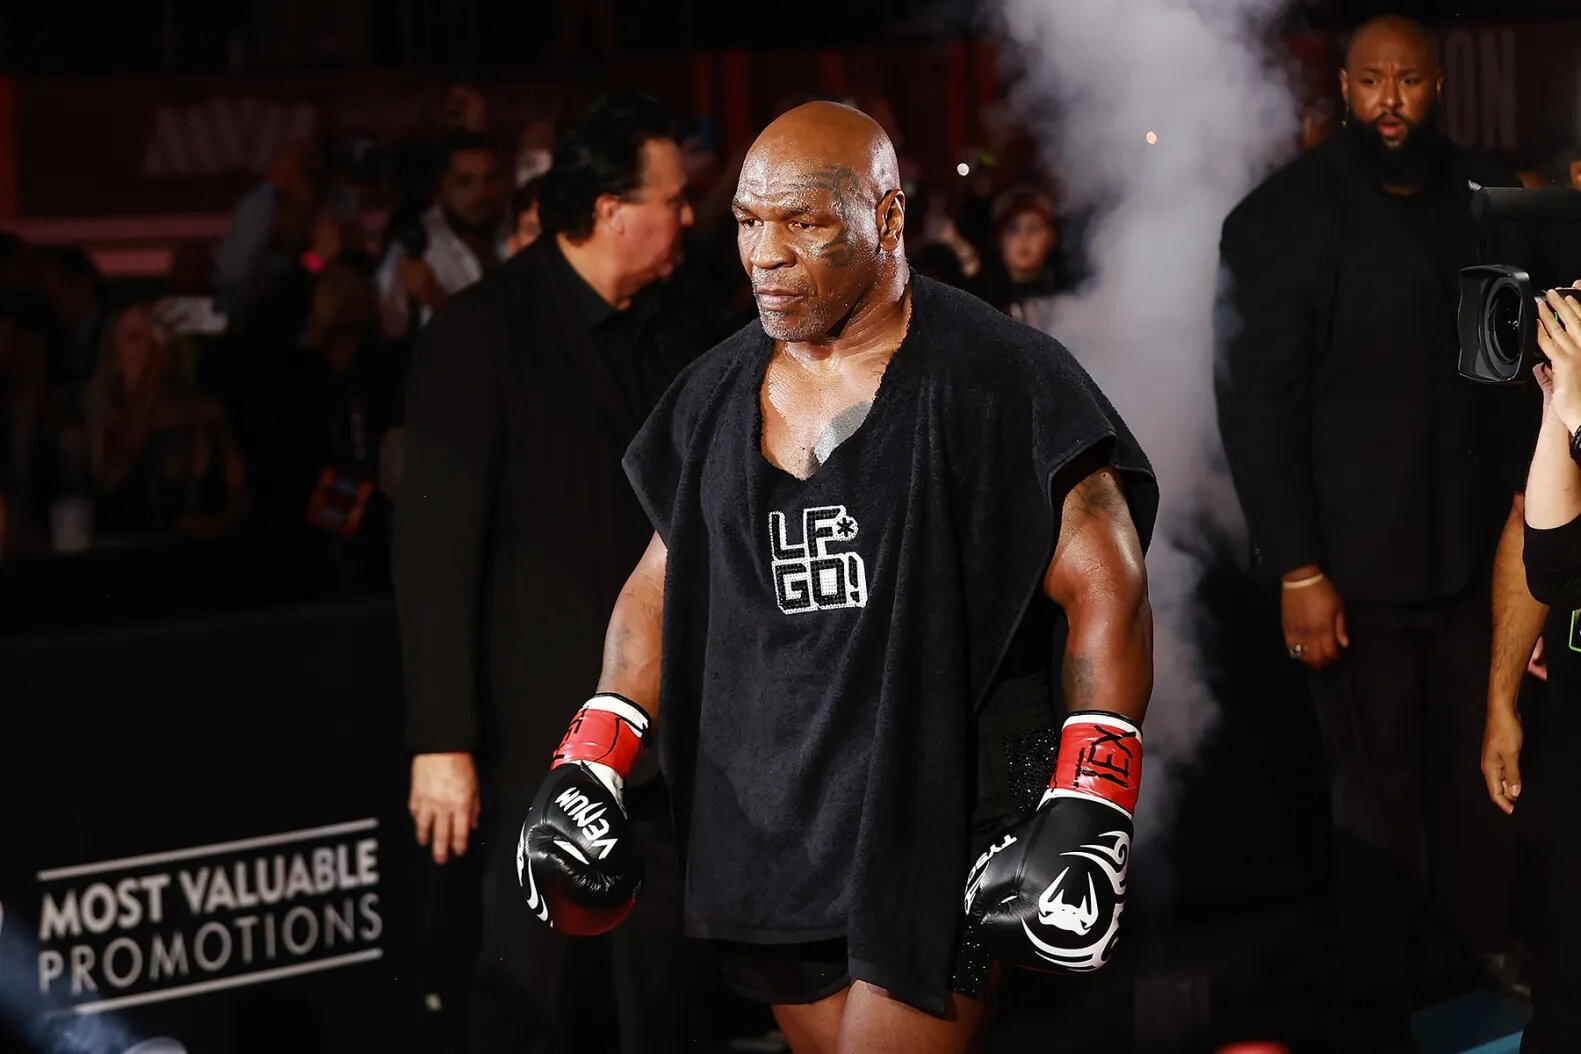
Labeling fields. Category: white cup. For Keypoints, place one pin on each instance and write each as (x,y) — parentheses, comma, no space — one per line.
(71,524)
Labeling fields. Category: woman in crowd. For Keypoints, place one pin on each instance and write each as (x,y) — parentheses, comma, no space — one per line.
(1020,271)
(161,455)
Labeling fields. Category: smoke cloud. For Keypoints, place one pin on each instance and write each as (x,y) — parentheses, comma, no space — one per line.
(1158,116)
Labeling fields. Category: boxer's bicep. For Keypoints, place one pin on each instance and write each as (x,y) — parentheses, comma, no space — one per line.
(633,644)
(1099,579)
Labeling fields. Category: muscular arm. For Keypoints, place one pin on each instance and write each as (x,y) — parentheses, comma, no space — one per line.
(1517,616)
(1098,577)
(633,643)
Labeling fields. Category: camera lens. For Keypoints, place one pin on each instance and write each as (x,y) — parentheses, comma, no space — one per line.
(1501,326)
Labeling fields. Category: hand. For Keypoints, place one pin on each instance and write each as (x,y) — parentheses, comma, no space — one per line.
(1559,337)
(575,860)
(329,237)
(1314,620)
(444,802)
(1501,756)
(1538,666)
(419,281)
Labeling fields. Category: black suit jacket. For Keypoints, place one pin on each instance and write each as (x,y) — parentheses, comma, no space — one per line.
(1352,440)
(515,526)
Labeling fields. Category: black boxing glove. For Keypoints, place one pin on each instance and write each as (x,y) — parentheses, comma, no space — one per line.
(574,860)
(1048,895)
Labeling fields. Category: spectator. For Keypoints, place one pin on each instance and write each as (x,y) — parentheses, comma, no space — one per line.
(1019,271)
(935,233)
(341,383)
(76,292)
(535,148)
(24,398)
(465,109)
(525,393)
(1372,501)
(453,243)
(525,226)
(161,456)
(272,224)
(282,308)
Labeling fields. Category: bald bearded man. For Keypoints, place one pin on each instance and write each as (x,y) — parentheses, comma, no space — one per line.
(1373,483)
(874,508)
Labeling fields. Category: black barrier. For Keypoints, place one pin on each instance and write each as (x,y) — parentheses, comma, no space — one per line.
(204,836)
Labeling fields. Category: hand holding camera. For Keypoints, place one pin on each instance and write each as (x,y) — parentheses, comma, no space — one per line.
(1559,339)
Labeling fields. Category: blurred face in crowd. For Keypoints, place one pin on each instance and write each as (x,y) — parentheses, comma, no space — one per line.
(1025,244)
(465,108)
(297,171)
(70,296)
(818,211)
(647,223)
(472,193)
(1391,83)
(527,230)
(343,314)
(136,345)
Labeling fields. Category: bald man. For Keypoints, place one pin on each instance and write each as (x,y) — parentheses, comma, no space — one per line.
(1372,480)
(872,508)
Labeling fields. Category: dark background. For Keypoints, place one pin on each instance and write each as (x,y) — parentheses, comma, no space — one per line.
(147,36)
(158,695)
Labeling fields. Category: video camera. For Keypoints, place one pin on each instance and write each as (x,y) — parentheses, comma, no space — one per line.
(1498,302)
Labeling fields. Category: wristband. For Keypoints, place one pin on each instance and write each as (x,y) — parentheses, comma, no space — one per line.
(1302,583)
(1100,756)
(1575,445)
(608,730)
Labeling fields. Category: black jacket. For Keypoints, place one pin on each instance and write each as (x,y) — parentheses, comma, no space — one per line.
(515,527)
(1353,442)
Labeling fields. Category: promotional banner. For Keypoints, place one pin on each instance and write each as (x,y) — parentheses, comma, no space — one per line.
(203,832)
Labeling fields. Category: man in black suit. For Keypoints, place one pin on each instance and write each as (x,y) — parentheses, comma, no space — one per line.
(1364,466)
(514,531)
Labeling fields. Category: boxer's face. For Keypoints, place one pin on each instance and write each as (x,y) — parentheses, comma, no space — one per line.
(810,238)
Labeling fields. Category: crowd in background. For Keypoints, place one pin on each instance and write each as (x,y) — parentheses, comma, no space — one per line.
(272,404)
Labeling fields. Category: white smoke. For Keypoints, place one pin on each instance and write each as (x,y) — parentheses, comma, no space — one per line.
(1159,115)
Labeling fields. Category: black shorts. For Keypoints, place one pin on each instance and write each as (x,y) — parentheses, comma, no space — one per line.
(793,974)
